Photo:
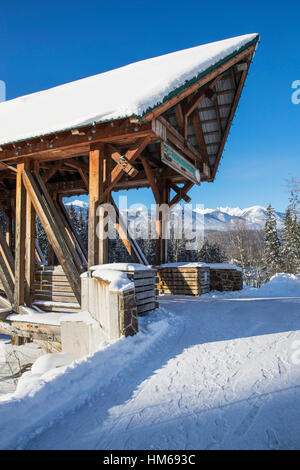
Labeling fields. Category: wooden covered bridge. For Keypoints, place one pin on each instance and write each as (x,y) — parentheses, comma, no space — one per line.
(160,123)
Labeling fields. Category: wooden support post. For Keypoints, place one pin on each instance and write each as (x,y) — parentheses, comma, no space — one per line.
(99,180)
(29,251)
(105,179)
(161,221)
(20,234)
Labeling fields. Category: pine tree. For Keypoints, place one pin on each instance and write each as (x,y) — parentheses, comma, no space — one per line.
(73,217)
(291,243)
(272,260)
(83,228)
(211,253)
(41,237)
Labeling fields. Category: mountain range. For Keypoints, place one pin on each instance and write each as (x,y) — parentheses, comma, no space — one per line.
(221,218)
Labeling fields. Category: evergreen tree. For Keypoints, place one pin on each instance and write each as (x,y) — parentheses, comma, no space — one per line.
(73,217)
(41,237)
(272,260)
(211,253)
(83,228)
(291,243)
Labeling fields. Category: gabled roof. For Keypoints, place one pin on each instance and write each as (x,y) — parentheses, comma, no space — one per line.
(133,90)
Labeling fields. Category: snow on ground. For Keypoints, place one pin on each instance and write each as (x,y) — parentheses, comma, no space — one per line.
(218,372)
(14,359)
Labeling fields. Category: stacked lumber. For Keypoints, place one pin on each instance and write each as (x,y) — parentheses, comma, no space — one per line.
(145,289)
(183,280)
(52,290)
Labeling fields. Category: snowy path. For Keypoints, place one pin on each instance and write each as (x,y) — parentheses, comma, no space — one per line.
(222,377)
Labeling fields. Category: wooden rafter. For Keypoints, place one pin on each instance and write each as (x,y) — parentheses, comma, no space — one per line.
(48,175)
(151,178)
(200,136)
(230,118)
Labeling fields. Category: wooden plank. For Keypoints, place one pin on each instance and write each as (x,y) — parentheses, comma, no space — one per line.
(31,330)
(151,179)
(199,136)
(29,251)
(179,117)
(145,295)
(144,282)
(20,235)
(147,307)
(52,171)
(94,194)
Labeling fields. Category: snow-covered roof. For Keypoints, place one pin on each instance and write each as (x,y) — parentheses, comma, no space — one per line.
(128,91)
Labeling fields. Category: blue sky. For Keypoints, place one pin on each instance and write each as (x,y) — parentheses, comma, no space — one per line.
(46,44)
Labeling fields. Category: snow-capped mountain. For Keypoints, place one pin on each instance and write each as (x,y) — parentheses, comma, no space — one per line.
(224,218)
(221,218)
(78,203)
